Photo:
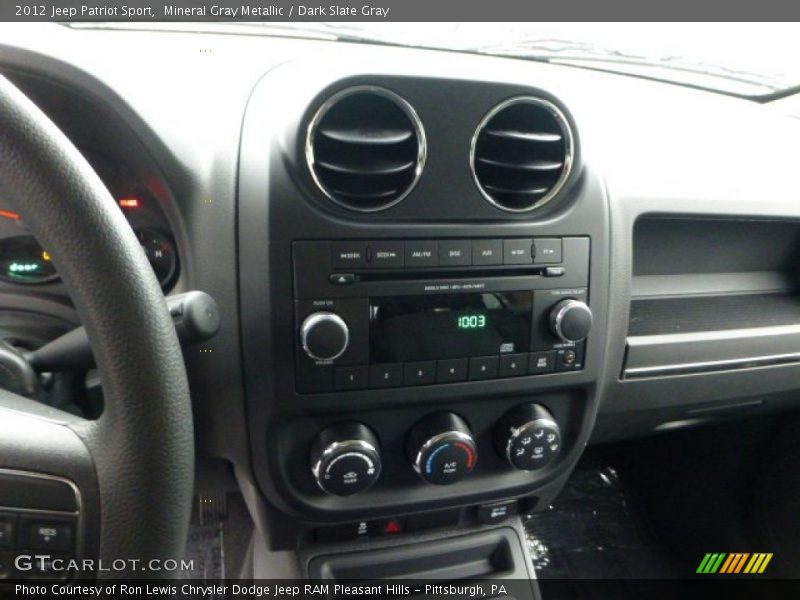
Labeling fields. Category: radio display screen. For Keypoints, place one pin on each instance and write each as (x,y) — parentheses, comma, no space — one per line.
(411,328)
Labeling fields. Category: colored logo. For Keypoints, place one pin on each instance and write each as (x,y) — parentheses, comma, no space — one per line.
(736,562)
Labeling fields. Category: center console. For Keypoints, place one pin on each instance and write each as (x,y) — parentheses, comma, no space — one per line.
(421,347)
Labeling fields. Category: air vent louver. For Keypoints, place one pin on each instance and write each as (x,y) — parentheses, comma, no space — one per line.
(366,148)
(522,154)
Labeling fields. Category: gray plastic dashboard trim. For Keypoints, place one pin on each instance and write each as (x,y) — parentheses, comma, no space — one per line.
(652,355)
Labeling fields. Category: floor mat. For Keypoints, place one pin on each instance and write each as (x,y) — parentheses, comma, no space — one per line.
(594,530)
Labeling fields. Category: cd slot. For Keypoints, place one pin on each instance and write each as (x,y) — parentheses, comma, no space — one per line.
(445,274)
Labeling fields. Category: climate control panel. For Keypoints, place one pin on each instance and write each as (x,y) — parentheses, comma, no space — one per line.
(346,458)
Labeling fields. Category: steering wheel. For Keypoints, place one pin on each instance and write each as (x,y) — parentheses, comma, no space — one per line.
(123,483)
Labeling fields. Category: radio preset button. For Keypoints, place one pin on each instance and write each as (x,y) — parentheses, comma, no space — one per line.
(422,254)
(386,255)
(349,255)
(542,362)
(351,378)
(512,365)
(517,252)
(483,367)
(451,370)
(547,250)
(386,375)
(419,373)
(487,252)
(455,253)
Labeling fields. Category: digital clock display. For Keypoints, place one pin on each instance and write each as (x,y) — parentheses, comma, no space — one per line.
(471,321)
(441,326)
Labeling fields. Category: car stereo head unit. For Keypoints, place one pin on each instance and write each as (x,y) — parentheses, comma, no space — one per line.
(407,312)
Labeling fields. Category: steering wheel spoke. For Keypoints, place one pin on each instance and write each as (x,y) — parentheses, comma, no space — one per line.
(49,498)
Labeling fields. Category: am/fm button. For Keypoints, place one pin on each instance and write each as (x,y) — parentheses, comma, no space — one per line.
(422,254)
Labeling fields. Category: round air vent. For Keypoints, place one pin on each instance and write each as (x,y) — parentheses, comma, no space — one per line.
(521,154)
(366,148)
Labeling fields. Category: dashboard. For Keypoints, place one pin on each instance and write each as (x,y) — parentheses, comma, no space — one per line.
(430,306)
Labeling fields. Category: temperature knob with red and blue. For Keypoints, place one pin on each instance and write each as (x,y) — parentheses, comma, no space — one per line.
(441,448)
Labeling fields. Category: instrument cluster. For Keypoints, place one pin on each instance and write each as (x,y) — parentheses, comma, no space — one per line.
(24,262)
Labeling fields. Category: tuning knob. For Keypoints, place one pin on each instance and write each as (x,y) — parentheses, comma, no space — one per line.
(571,320)
(345,459)
(441,448)
(528,437)
(324,335)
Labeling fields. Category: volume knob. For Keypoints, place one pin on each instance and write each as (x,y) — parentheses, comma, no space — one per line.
(324,335)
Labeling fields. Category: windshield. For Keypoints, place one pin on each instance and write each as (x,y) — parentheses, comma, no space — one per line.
(745,59)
